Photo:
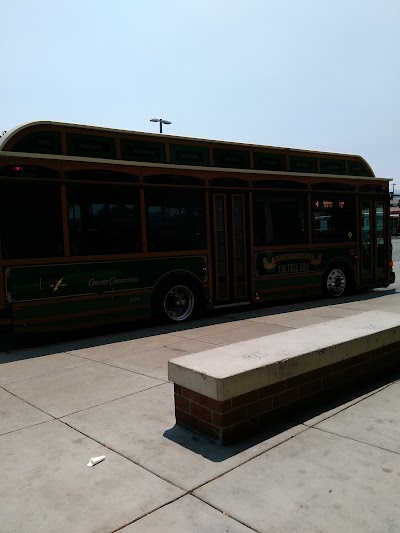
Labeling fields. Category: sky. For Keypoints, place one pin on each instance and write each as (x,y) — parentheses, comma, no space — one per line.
(313,74)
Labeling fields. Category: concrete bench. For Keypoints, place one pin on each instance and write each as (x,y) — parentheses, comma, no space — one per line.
(226,392)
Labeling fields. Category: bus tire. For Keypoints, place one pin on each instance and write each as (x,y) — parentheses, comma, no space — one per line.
(338,281)
(175,301)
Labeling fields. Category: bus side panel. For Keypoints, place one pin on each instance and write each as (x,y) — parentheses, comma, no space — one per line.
(281,274)
(5,306)
(81,312)
(98,292)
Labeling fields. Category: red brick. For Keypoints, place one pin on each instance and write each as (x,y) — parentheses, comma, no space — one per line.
(222,420)
(201,412)
(374,365)
(270,418)
(310,388)
(227,436)
(349,375)
(245,399)
(241,430)
(209,431)
(334,379)
(178,414)
(190,394)
(259,407)
(269,390)
(190,420)
(182,403)
(285,397)
(177,389)
(215,405)
(350,362)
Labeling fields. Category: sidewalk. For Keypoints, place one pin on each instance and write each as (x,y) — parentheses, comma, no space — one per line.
(334,468)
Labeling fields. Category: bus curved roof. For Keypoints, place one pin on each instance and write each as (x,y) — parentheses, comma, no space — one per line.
(6,141)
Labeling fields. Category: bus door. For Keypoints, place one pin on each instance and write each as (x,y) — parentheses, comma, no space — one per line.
(229,215)
(2,290)
(374,260)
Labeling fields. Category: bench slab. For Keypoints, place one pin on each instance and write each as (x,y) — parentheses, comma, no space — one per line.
(224,392)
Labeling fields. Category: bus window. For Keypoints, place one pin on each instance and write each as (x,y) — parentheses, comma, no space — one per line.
(31,224)
(395,226)
(103,220)
(365,223)
(279,219)
(175,220)
(334,218)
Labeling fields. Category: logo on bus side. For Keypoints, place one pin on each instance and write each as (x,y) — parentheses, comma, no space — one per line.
(302,262)
(57,285)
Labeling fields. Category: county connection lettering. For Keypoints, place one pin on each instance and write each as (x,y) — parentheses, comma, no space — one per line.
(111,281)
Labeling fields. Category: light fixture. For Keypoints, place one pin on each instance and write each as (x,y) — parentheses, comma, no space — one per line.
(161,121)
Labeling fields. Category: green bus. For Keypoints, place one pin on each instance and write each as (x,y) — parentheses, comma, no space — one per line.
(100,226)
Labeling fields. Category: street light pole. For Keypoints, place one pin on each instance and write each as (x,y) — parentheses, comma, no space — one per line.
(161,121)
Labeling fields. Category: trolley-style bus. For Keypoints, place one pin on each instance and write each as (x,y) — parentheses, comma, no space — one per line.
(101,225)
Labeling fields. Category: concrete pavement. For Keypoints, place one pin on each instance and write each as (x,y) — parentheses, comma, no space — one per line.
(333,468)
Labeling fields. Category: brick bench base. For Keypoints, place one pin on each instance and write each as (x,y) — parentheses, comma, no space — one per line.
(229,420)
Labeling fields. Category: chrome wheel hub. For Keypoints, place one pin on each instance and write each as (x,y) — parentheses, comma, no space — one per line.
(179,303)
(336,282)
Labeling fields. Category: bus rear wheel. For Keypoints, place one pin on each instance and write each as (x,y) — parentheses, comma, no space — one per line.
(336,282)
(175,302)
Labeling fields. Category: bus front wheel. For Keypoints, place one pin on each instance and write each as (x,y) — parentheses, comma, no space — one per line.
(175,302)
(336,282)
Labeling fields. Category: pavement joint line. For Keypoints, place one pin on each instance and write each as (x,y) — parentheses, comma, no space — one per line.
(26,427)
(245,461)
(89,361)
(271,324)
(226,514)
(144,350)
(109,401)
(237,326)
(215,344)
(151,512)
(86,408)
(355,440)
(44,374)
(113,335)
(107,363)
(96,361)
(124,456)
(31,404)
(201,337)
(58,345)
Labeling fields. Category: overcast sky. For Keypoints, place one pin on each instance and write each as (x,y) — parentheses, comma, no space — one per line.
(314,74)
